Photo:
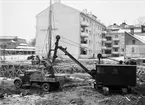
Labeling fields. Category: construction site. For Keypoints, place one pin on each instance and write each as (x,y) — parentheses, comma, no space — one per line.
(85,65)
(71,82)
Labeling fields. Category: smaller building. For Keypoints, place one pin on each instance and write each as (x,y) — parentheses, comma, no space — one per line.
(12,45)
(135,45)
(115,38)
(11,42)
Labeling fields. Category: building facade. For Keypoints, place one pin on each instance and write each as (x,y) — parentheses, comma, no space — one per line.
(11,42)
(80,32)
(135,46)
(115,40)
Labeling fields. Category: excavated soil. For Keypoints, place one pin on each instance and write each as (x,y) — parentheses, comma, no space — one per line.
(78,90)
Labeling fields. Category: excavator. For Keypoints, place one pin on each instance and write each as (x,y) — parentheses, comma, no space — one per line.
(106,76)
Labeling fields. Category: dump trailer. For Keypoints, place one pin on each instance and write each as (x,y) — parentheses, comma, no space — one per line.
(106,77)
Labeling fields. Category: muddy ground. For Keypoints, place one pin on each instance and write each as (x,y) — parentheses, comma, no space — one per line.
(78,90)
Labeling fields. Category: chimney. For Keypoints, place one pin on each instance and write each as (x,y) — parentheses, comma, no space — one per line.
(142,28)
(132,30)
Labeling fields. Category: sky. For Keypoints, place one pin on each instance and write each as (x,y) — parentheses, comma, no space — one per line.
(18,17)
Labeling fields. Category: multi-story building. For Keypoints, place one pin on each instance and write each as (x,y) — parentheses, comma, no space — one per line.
(80,32)
(115,43)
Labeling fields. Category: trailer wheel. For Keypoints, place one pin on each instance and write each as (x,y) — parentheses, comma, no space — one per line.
(18,83)
(46,87)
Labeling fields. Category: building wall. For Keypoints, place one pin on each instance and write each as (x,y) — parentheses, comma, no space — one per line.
(66,21)
(69,23)
(135,51)
(93,36)
(134,47)
(120,33)
(129,40)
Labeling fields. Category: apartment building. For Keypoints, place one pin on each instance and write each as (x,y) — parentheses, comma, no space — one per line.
(80,32)
(115,42)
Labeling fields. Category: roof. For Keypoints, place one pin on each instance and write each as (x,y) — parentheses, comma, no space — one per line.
(24,47)
(92,18)
(138,37)
(56,4)
(23,44)
(8,37)
(70,8)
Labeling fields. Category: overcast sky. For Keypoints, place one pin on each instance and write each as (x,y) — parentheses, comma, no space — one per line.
(17,17)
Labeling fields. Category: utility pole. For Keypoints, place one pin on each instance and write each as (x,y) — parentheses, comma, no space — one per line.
(50,30)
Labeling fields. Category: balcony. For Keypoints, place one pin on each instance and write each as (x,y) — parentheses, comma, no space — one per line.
(106,55)
(103,32)
(108,35)
(108,41)
(84,34)
(104,39)
(122,53)
(116,45)
(85,23)
(115,52)
(108,48)
(81,56)
(115,39)
(84,45)
(103,47)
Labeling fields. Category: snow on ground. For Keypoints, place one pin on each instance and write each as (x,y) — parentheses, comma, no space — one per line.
(15,57)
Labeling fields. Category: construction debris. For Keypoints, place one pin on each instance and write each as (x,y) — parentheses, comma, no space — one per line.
(77,90)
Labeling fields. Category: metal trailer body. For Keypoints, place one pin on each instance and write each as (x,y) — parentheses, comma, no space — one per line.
(115,75)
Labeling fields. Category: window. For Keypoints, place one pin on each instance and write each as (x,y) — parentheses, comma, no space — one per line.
(116,36)
(133,41)
(116,49)
(87,30)
(116,43)
(83,51)
(83,19)
(132,49)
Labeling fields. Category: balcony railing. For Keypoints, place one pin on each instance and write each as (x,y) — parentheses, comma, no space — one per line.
(84,34)
(103,39)
(103,32)
(84,23)
(108,35)
(103,47)
(84,56)
(115,52)
(108,48)
(84,45)
(115,45)
(115,39)
(106,55)
(108,41)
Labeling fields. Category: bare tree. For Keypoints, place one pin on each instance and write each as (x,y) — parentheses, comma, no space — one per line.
(141,21)
(32,42)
